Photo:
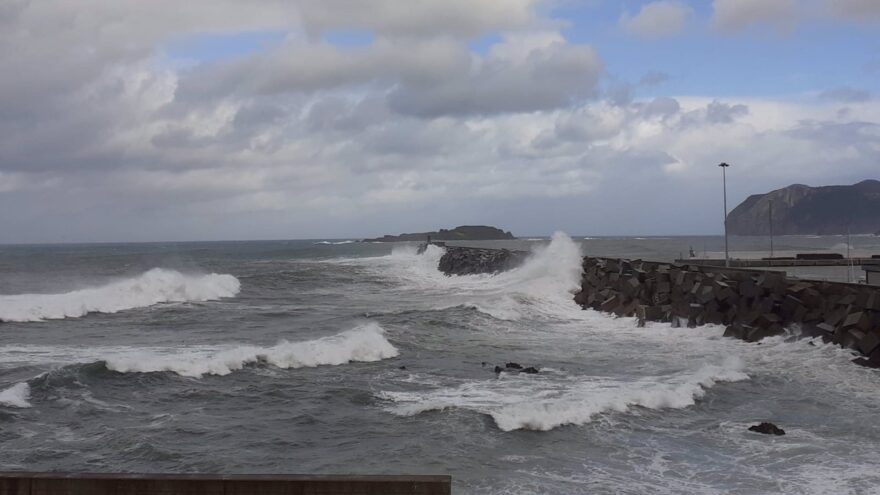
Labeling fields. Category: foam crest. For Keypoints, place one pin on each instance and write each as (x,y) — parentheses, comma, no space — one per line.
(545,402)
(364,343)
(16,396)
(541,287)
(152,287)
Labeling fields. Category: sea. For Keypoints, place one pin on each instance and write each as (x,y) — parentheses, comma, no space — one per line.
(343,357)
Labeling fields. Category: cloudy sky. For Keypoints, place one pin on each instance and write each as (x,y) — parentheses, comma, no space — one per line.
(127,120)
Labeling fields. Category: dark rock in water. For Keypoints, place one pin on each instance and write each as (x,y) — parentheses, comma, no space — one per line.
(767,429)
(402,368)
(867,363)
(483,364)
(468,261)
(516,368)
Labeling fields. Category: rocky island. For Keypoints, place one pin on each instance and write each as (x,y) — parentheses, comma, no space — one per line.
(460,233)
(804,210)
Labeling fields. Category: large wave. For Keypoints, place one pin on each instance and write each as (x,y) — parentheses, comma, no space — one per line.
(364,343)
(542,287)
(536,402)
(152,287)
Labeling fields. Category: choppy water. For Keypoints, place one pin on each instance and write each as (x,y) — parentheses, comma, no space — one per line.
(287,356)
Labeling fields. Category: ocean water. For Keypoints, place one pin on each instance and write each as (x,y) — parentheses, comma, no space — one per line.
(331,356)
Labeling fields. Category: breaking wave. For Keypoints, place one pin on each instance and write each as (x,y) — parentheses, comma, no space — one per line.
(16,396)
(542,287)
(547,401)
(363,343)
(152,287)
(331,243)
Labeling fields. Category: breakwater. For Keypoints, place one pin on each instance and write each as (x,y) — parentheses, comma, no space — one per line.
(753,304)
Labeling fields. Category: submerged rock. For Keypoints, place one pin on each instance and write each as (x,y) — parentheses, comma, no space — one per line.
(516,368)
(767,429)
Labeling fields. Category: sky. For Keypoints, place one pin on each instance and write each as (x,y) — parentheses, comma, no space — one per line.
(127,120)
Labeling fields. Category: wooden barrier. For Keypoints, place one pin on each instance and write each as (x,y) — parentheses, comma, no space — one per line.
(22,483)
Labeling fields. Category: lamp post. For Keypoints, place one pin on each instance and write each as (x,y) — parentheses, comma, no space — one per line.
(771,228)
(724,181)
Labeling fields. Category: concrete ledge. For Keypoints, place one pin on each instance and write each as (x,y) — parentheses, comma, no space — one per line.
(23,483)
(760,263)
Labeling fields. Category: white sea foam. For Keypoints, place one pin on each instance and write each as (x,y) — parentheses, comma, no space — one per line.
(364,343)
(152,287)
(541,288)
(545,402)
(337,243)
(16,396)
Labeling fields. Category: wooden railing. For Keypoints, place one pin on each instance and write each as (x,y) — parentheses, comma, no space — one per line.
(22,483)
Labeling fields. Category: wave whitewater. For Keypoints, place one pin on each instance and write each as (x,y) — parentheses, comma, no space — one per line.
(364,343)
(542,287)
(542,403)
(16,396)
(155,286)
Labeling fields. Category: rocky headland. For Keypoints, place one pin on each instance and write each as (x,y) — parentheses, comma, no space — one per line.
(804,210)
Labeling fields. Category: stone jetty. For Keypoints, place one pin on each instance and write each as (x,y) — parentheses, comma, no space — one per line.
(752,304)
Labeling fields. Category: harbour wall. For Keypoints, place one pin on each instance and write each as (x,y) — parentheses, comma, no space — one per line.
(753,304)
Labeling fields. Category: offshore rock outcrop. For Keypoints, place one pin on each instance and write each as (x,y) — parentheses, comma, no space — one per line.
(460,233)
(470,261)
(767,429)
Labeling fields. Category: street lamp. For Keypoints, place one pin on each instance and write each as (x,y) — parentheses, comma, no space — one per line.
(724,180)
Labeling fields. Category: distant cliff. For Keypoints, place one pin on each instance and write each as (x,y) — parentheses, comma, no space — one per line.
(800,209)
(461,233)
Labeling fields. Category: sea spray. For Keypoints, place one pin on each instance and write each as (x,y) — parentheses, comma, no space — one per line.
(364,343)
(544,402)
(17,395)
(542,287)
(152,287)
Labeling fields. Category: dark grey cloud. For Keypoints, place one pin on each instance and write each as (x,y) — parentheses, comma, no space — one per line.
(845,95)
(653,78)
(716,112)
(661,106)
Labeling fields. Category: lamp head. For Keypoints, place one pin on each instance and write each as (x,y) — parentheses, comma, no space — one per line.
(722,164)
